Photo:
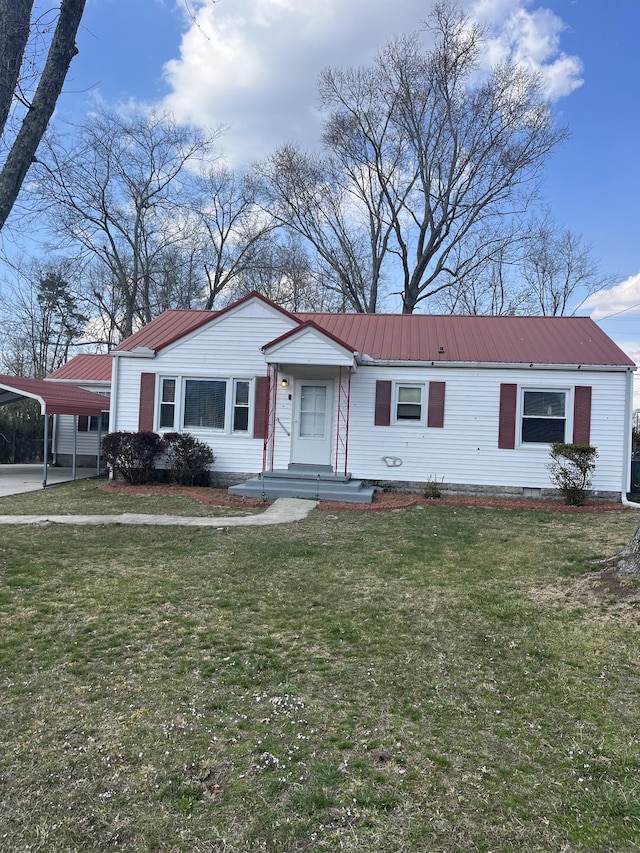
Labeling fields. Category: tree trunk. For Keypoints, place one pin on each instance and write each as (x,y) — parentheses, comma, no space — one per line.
(627,563)
(15,16)
(34,124)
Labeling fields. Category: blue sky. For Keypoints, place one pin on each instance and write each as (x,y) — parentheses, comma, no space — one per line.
(252,65)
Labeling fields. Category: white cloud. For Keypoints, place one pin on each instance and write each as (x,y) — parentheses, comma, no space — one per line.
(252,65)
(530,37)
(624,297)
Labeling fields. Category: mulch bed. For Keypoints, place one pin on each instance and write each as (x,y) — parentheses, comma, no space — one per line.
(381,501)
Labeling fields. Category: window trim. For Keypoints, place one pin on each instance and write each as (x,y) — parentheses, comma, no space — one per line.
(235,405)
(520,416)
(225,420)
(92,426)
(410,422)
(161,402)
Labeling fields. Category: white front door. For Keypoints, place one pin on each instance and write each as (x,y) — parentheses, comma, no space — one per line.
(311,435)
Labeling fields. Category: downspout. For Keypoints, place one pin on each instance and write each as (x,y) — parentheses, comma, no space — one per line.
(113,398)
(626,467)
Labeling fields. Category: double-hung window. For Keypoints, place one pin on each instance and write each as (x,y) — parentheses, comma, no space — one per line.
(544,416)
(240,405)
(168,404)
(409,404)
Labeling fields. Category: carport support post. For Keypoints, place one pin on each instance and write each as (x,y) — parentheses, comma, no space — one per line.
(46,451)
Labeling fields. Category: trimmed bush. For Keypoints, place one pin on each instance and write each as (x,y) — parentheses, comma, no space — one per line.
(132,455)
(187,459)
(571,469)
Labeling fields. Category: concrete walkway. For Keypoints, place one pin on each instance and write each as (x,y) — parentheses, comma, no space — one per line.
(282,511)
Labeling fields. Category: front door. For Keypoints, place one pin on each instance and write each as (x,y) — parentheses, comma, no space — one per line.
(311,435)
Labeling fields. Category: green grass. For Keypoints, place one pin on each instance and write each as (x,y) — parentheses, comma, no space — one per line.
(85,498)
(432,679)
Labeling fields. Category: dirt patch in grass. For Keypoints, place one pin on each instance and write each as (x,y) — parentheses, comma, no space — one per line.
(607,597)
(607,584)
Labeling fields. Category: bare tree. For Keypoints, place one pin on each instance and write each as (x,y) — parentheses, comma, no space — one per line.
(492,287)
(30,114)
(542,269)
(426,157)
(345,228)
(121,193)
(283,270)
(230,228)
(557,267)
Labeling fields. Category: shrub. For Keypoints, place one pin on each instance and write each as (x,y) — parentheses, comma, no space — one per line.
(433,488)
(187,459)
(132,455)
(571,468)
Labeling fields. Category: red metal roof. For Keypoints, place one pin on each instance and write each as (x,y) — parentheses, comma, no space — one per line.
(56,398)
(175,323)
(428,337)
(454,338)
(86,367)
(167,328)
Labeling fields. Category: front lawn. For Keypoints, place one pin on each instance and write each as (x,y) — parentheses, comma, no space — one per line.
(100,497)
(429,679)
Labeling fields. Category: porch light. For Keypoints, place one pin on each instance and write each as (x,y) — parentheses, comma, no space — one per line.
(285,383)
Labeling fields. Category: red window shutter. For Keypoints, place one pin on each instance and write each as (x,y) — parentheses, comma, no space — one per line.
(147,401)
(83,423)
(260,400)
(435,412)
(507,416)
(383,403)
(582,414)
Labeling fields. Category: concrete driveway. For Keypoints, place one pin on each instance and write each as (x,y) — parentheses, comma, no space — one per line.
(15,479)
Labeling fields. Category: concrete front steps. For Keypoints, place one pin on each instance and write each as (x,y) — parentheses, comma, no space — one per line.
(316,482)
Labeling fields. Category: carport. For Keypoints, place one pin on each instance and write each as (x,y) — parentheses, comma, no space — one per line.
(55,398)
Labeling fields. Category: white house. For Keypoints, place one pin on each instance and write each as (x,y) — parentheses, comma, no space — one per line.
(472,402)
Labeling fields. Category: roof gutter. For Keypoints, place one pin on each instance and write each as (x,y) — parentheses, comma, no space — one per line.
(368,361)
(138,352)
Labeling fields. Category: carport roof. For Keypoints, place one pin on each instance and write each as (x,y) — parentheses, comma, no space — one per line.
(55,398)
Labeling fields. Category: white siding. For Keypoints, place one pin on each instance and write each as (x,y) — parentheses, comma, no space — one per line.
(466,449)
(227,349)
(86,442)
(310,347)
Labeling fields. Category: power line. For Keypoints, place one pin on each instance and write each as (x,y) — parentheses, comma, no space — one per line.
(616,313)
